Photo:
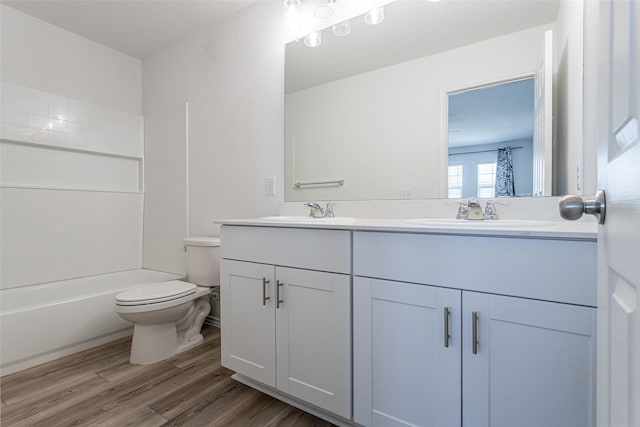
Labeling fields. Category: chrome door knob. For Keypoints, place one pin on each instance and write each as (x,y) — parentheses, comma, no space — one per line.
(573,207)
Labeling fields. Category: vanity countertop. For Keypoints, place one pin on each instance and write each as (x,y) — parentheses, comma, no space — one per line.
(499,228)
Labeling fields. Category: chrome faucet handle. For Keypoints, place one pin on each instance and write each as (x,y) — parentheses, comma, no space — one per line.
(490,212)
(328,210)
(316,210)
(463,210)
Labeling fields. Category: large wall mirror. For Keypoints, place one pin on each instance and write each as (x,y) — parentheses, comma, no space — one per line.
(387,111)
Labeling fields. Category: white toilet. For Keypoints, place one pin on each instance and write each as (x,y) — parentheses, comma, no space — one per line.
(168,316)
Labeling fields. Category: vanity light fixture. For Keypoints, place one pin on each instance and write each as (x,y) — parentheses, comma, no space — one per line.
(291,4)
(323,9)
(342,29)
(313,39)
(374,16)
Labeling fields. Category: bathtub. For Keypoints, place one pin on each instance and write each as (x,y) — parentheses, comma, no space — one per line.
(39,323)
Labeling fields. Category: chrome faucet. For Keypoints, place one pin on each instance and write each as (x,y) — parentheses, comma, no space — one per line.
(463,210)
(316,210)
(474,210)
(328,210)
(490,212)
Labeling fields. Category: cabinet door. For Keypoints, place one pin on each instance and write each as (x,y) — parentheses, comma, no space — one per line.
(313,337)
(248,330)
(534,363)
(403,372)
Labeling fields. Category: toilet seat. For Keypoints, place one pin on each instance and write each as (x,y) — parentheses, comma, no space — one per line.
(154,293)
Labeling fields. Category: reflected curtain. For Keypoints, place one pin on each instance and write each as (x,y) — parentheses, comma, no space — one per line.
(505,185)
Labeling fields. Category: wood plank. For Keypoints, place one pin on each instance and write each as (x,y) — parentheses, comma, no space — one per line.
(138,416)
(255,412)
(216,406)
(190,395)
(288,417)
(210,350)
(32,384)
(28,412)
(99,387)
(184,383)
(85,411)
(105,350)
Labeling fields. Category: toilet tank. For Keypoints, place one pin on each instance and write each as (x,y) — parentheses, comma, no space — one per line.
(203,260)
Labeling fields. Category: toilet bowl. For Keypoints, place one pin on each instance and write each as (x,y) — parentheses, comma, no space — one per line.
(168,316)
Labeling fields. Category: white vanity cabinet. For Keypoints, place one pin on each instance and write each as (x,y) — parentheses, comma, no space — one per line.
(521,318)
(286,310)
(407,348)
(533,363)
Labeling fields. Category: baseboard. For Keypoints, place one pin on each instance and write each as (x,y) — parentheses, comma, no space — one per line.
(212,321)
(320,413)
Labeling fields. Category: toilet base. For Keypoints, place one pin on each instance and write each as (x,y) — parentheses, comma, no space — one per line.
(191,343)
(153,343)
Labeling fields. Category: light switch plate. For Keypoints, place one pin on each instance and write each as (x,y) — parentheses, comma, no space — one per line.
(270,186)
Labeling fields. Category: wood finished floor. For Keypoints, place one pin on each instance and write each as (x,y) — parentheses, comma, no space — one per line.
(99,387)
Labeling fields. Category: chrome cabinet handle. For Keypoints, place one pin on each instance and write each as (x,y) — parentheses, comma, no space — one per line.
(474,332)
(447,333)
(278,300)
(265,282)
(572,207)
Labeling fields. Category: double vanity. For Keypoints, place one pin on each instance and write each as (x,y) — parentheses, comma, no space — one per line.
(414,322)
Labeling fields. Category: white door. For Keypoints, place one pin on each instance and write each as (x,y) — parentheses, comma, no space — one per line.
(405,374)
(248,330)
(619,236)
(313,337)
(532,365)
(543,129)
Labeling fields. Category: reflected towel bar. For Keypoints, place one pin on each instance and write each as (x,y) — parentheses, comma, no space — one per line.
(304,184)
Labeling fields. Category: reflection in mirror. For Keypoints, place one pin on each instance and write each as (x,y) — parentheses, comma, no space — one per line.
(367,113)
(491,141)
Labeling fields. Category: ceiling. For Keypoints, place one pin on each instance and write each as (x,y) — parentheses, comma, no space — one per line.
(136,27)
(492,114)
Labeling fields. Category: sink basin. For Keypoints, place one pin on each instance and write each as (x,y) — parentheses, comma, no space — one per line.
(307,219)
(481,224)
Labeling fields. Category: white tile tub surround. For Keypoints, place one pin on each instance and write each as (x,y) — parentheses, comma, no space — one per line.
(79,314)
(39,117)
(72,151)
(50,235)
(26,165)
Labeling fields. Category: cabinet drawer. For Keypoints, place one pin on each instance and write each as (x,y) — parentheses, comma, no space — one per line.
(555,270)
(323,250)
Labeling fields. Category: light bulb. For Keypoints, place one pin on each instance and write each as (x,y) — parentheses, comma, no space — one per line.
(313,39)
(342,29)
(291,4)
(374,16)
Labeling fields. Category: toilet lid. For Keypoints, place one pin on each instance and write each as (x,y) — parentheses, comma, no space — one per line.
(151,293)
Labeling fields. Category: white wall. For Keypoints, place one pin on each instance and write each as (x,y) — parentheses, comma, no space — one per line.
(71,177)
(232,78)
(568,96)
(40,55)
(394,144)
